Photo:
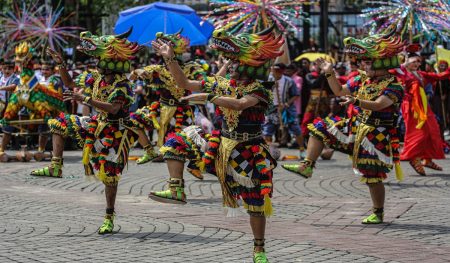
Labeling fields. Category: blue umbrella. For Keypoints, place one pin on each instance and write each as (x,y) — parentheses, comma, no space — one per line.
(149,19)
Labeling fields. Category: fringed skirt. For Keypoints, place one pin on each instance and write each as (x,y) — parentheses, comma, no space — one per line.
(245,169)
(374,150)
(160,116)
(106,145)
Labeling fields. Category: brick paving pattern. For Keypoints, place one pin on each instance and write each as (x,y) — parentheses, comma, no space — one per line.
(316,220)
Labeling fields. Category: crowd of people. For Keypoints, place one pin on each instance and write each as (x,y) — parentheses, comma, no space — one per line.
(228,111)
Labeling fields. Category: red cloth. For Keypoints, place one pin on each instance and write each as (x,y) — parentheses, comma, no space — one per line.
(426,142)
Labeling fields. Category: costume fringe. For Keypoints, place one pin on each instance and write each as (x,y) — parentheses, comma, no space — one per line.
(192,133)
(232,212)
(240,179)
(368,146)
(371,180)
(341,136)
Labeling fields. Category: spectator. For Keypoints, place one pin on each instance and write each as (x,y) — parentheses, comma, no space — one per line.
(285,93)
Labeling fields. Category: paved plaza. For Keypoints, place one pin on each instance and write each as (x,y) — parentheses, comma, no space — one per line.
(316,220)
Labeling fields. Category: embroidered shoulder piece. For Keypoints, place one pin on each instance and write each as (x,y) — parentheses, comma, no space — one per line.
(87,80)
(193,70)
(372,91)
(161,78)
(101,91)
(224,87)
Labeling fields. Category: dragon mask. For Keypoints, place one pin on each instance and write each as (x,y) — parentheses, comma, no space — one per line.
(179,43)
(382,49)
(113,51)
(254,51)
(23,53)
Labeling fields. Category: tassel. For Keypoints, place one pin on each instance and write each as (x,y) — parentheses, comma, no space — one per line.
(398,172)
(155,123)
(201,165)
(101,173)
(86,152)
(268,210)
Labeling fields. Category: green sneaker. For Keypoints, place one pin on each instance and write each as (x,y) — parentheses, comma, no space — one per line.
(260,257)
(148,156)
(174,195)
(373,219)
(108,226)
(304,169)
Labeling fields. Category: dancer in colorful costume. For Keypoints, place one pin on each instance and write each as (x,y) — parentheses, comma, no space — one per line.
(423,139)
(106,137)
(371,136)
(41,101)
(169,107)
(237,153)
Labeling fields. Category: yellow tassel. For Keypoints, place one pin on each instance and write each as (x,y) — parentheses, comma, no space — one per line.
(155,123)
(201,165)
(268,210)
(86,152)
(398,172)
(101,173)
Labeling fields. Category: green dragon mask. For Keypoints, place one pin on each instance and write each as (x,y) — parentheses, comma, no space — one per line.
(113,51)
(253,51)
(179,43)
(382,49)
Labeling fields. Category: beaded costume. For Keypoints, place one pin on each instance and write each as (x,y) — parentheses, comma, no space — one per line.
(237,153)
(168,114)
(106,138)
(369,137)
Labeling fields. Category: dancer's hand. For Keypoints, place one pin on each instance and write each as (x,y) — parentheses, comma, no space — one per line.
(222,61)
(326,66)
(139,73)
(347,100)
(163,49)
(77,95)
(196,97)
(55,56)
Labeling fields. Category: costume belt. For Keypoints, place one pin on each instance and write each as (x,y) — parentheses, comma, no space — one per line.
(172,102)
(319,93)
(366,119)
(120,121)
(237,136)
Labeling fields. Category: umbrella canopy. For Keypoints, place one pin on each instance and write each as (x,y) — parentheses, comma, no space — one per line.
(149,19)
(314,56)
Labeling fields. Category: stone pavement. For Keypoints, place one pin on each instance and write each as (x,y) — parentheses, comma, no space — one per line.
(316,220)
